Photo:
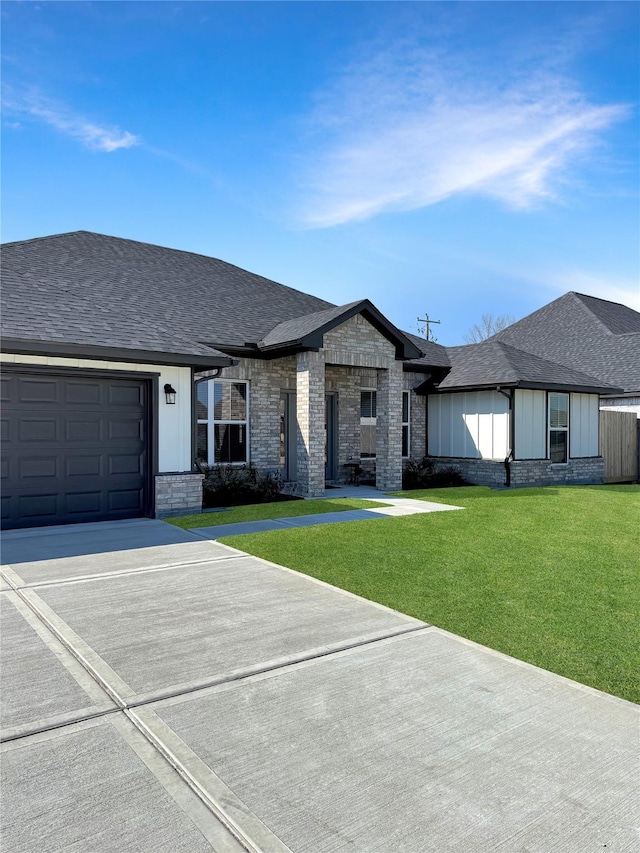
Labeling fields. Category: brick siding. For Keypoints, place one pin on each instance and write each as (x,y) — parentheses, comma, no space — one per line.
(178,494)
(528,472)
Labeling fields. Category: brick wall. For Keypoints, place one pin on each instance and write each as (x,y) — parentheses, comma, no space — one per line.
(389,428)
(356,343)
(529,472)
(310,401)
(178,494)
(267,379)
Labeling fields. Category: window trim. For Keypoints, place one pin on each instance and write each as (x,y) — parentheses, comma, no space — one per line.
(368,421)
(551,429)
(406,423)
(211,421)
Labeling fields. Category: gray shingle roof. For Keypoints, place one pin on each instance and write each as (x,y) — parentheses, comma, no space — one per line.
(87,288)
(493,363)
(435,355)
(92,290)
(308,329)
(293,330)
(591,335)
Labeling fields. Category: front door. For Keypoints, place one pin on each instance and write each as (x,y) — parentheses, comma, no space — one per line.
(288,436)
(330,432)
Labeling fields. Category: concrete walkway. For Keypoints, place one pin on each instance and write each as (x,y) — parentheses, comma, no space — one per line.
(169,694)
(394,507)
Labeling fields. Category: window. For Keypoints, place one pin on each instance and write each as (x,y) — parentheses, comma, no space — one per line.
(222,407)
(202,418)
(406,434)
(558,427)
(368,406)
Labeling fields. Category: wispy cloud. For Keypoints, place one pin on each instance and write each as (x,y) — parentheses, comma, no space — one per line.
(95,136)
(411,127)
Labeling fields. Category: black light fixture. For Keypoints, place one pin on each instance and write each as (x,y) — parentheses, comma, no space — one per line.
(170,394)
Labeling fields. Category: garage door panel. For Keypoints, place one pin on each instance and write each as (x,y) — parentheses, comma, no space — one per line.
(83,503)
(37,429)
(38,390)
(38,505)
(125,395)
(87,393)
(83,465)
(124,500)
(84,429)
(130,463)
(38,466)
(75,449)
(126,428)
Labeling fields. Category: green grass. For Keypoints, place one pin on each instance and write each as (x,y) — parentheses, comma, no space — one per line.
(279,509)
(548,575)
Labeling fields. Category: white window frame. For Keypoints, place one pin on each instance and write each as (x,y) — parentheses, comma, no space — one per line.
(368,421)
(407,423)
(212,422)
(551,429)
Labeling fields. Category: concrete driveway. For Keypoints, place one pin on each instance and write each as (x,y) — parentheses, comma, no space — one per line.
(165,693)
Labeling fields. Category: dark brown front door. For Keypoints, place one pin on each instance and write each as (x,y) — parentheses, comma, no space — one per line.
(74,448)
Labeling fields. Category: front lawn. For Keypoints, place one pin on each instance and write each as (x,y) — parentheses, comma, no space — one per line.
(549,575)
(277,509)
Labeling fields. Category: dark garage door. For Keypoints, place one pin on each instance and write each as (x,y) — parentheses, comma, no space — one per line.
(74,448)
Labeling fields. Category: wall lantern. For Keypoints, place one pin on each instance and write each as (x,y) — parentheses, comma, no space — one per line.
(170,394)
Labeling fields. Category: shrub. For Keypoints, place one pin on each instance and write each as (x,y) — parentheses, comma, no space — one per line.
(424,474)
(231,485)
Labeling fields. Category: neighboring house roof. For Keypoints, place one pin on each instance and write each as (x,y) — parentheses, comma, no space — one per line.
(494,363)
(96,292)
(591,335)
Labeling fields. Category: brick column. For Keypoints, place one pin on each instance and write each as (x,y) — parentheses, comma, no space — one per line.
(389,428)
(310,399)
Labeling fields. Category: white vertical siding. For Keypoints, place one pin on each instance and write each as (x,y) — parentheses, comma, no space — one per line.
(471,425)
(174,422)
(583,425)
(530,414)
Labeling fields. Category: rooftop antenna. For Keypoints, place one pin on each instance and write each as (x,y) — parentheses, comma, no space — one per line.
(424,329)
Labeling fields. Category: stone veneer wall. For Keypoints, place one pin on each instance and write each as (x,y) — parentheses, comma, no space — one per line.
(178,494)
(528,472)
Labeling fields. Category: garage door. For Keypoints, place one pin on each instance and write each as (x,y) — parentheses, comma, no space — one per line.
(75,448)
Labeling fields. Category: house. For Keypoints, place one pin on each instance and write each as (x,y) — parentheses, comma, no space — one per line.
(591,335)
(124,363)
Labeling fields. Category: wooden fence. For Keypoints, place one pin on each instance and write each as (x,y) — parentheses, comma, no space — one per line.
(619,438)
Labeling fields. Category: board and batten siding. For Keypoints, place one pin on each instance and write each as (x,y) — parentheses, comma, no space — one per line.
(469,425)
(583,425)
(174,422)
(530,416)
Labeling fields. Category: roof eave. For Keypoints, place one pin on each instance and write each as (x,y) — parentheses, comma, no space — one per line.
(405,350)
(19,346)
(530,386)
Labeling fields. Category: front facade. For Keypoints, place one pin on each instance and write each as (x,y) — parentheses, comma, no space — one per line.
(126,366)
(316,417)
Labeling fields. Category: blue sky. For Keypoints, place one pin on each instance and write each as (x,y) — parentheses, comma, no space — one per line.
(449,158)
